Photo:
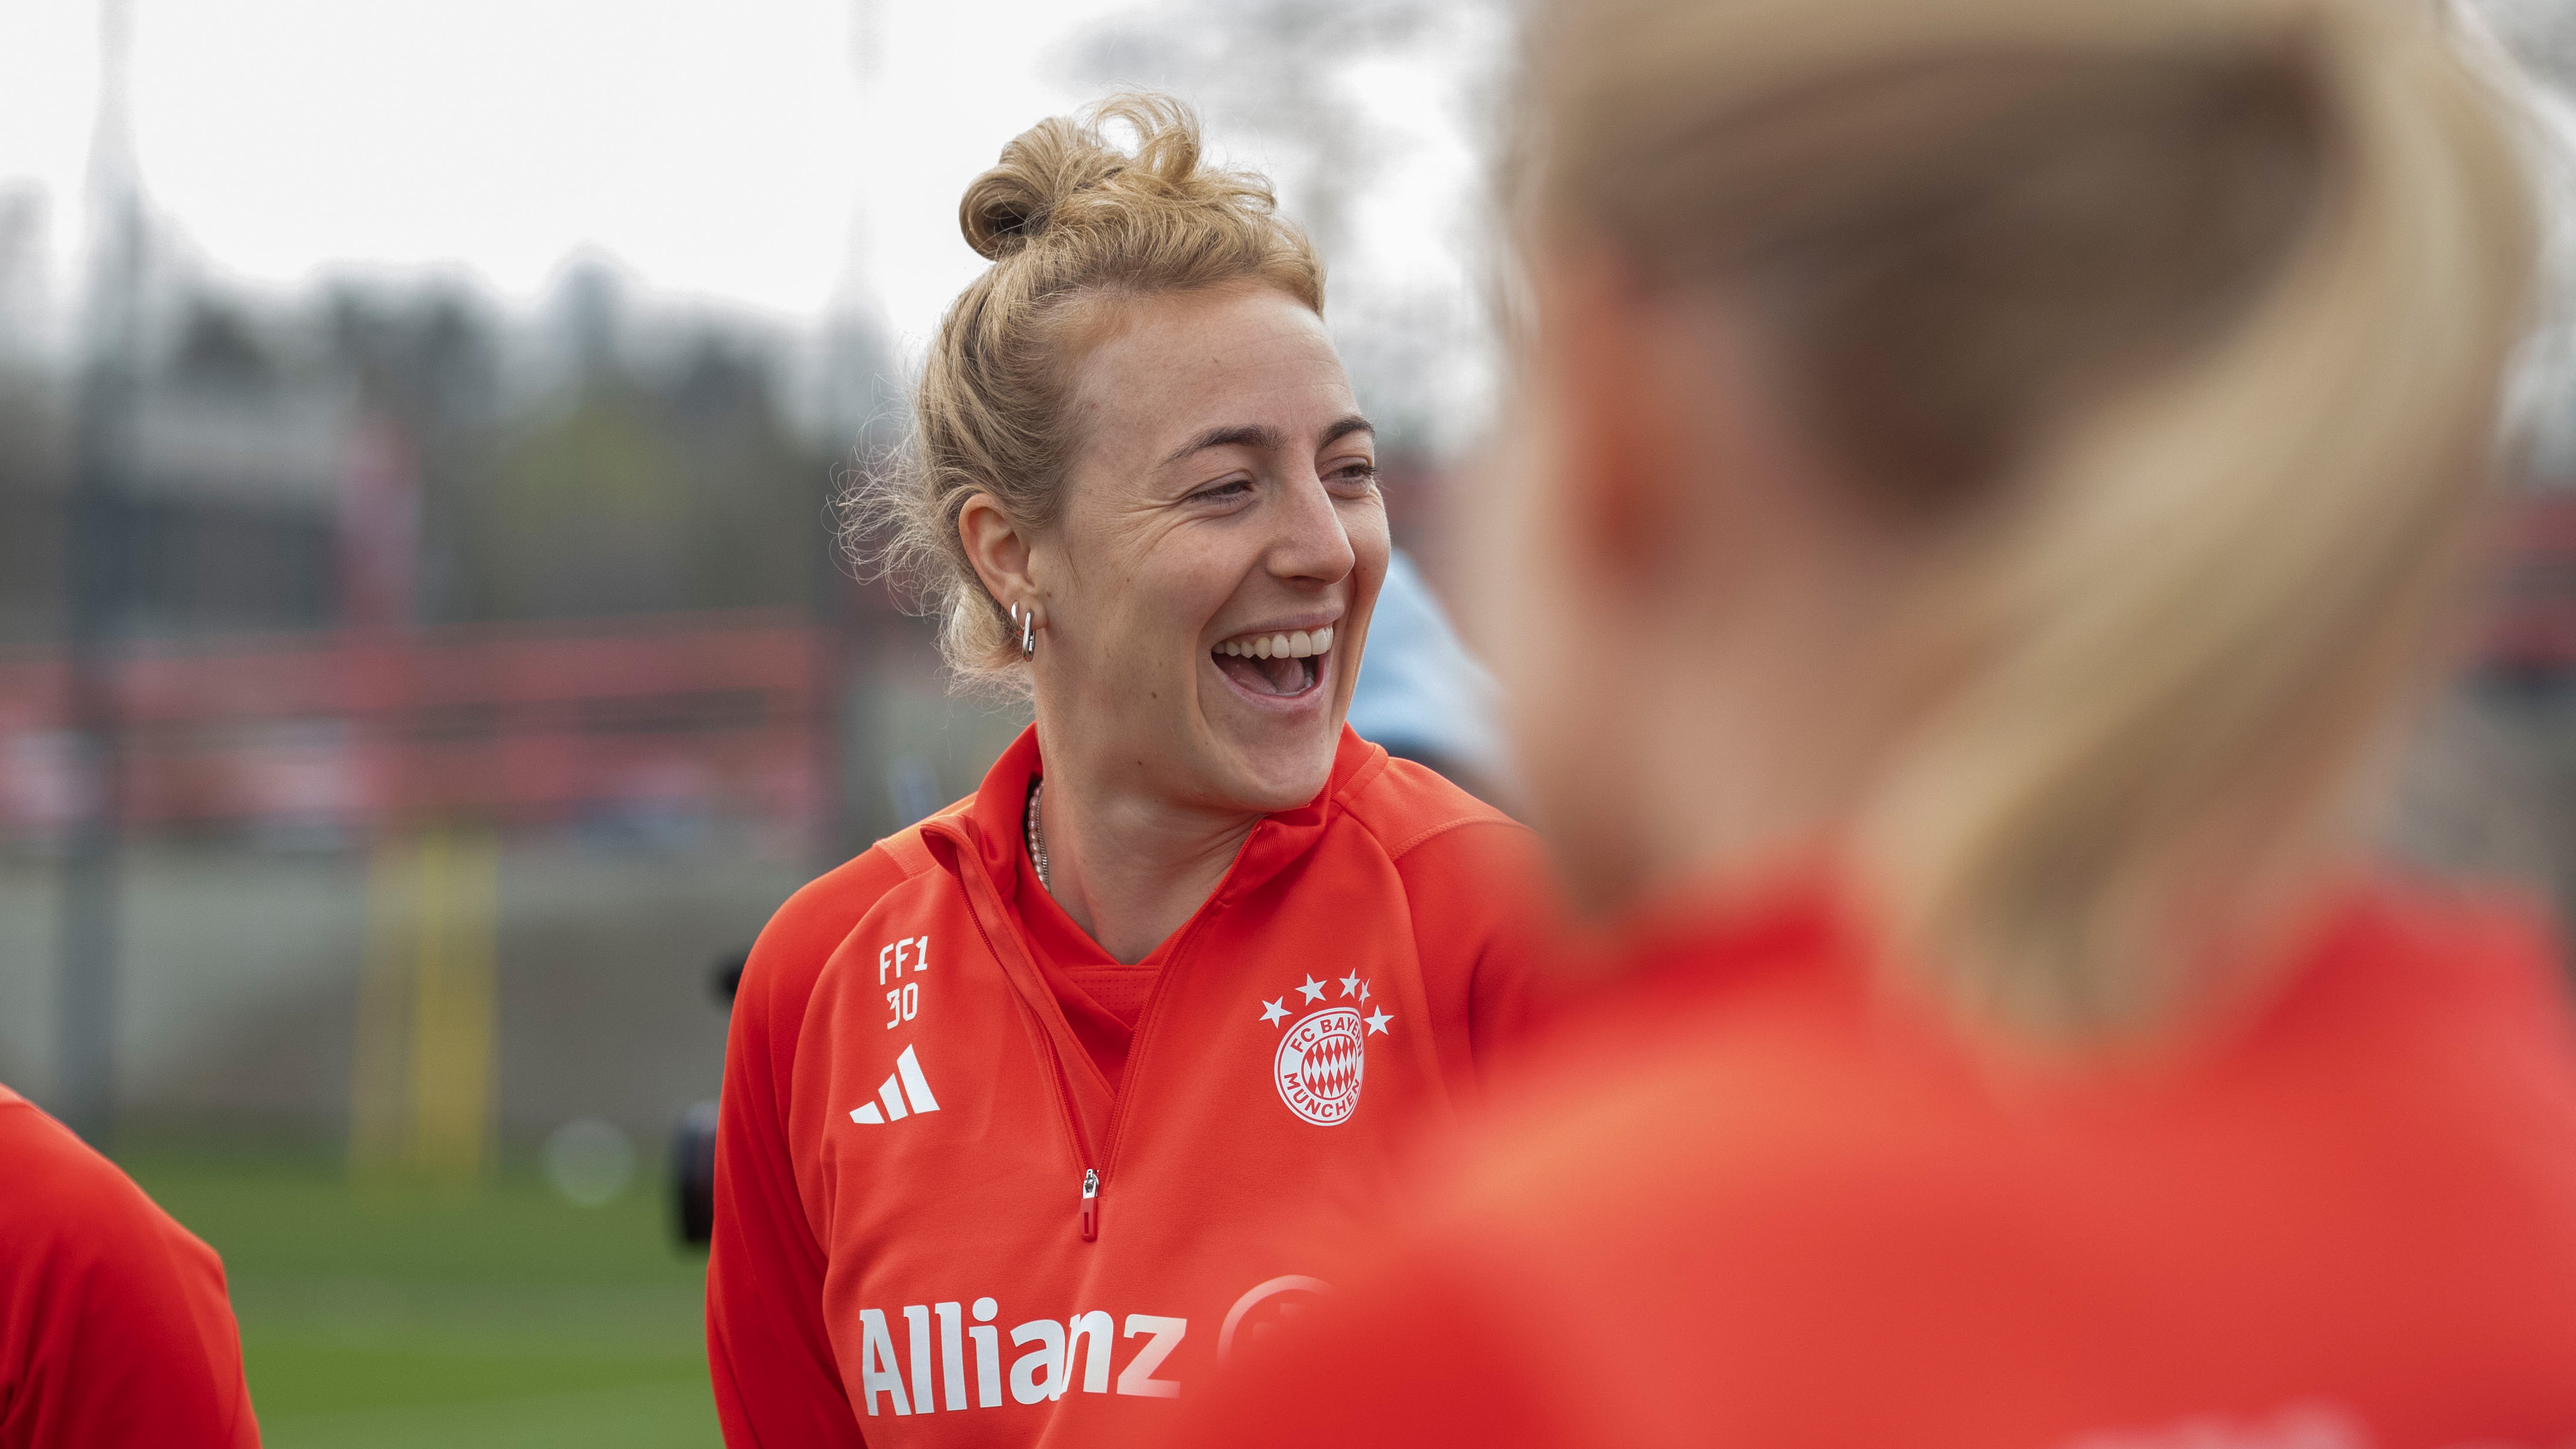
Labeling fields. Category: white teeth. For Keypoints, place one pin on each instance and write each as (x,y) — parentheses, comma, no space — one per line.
(1299,644)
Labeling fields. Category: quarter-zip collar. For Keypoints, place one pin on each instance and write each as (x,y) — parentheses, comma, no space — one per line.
(985,838)
(990,826)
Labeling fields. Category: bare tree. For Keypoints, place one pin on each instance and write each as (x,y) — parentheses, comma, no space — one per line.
(1301,86)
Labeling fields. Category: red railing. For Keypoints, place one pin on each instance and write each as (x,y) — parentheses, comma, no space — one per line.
(515,725)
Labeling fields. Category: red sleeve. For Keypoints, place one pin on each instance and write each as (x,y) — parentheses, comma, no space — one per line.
(776,1385)
(115,1332)
(1485,910)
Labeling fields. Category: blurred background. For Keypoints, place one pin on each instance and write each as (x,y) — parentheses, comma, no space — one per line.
(424,658)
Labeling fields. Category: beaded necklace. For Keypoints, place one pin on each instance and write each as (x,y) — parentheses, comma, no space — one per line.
(1037,838)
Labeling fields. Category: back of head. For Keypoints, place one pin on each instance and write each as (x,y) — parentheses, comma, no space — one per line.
(1073,224)
(2177,327)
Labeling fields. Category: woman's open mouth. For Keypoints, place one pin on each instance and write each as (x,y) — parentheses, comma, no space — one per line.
(1278,665)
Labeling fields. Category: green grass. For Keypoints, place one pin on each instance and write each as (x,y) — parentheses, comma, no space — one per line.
(388,1318)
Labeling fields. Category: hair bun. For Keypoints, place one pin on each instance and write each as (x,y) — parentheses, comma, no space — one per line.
(1052,162)
(1009,206)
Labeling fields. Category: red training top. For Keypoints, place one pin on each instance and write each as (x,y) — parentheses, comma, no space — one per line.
(114,1329)
(1756,1203)
(948,1214)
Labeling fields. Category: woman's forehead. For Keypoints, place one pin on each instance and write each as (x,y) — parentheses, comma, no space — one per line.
(1177,371)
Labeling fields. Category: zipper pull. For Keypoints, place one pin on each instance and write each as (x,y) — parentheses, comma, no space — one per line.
(1090,1203)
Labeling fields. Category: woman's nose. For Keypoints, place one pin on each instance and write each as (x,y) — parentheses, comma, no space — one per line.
(1313,542)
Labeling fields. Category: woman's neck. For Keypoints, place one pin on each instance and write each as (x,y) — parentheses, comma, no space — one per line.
(1131,869)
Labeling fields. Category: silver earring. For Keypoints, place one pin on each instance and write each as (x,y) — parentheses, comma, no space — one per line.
(1029,634)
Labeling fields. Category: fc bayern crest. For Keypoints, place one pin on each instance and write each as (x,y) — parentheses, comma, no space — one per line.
(1322,1054)
(1319,1066)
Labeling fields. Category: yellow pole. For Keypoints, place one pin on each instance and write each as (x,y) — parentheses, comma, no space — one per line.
(421,1080)
(452,1007)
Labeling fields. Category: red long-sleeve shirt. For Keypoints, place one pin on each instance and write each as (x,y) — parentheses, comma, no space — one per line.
(114,1329)
(939,1220)
(1757,1202)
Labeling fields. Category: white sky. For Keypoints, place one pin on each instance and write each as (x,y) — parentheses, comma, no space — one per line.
(723,150)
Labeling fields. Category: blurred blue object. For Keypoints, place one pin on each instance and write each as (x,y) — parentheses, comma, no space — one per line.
(1422,695)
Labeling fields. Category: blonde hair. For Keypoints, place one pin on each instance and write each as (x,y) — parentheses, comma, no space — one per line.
(1071,222)
(2180,327)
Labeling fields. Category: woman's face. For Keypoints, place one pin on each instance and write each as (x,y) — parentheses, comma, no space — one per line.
(1705,648)
(1223,504)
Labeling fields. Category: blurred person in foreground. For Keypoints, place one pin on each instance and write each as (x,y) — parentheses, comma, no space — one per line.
(1024,1108)
(1995,475)
(115,1332)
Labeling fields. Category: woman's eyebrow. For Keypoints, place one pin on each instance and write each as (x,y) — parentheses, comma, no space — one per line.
(1239,435)
(1344,428)
(1258,435)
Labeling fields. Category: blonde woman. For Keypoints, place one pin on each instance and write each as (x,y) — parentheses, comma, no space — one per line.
(1027,1108)
(1996,473)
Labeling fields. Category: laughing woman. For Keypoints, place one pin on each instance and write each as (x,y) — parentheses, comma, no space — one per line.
(1021,1104)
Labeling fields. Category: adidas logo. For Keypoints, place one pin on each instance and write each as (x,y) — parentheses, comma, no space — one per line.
(907,1082)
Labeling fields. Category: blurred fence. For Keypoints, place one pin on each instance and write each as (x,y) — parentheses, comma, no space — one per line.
(331,737)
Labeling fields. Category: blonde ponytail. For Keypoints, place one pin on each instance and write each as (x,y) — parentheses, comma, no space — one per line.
(2206,495)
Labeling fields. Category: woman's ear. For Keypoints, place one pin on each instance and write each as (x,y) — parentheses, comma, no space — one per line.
(1682,468)
(1620,456)
(997,550)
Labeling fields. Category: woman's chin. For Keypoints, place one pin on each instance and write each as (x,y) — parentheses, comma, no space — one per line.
(1279,748)
(1274,782)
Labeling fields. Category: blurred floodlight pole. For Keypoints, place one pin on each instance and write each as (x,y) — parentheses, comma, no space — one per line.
(97,581)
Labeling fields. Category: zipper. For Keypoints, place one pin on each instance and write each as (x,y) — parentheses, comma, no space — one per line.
(978,905)
(1145,1014)
(1089,1216)
(1081,1141)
